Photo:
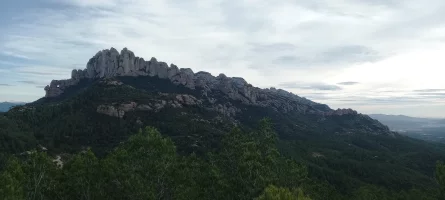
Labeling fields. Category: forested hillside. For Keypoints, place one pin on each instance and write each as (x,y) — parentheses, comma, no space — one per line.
(247,165)
(337,164)
(212,138)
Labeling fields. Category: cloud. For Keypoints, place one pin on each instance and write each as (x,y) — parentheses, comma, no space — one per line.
(430,90)
(5,85)
(287,60)
(431,94)
(309,86)
(348,83)
(41,73)
(32,82)
(366,99)
(348,54)
(340,55)
(386,45)
(16,55)
(270,48)
(28,82)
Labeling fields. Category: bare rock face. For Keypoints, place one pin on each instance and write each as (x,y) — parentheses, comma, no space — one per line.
(119,110)
(56,87)
(340,112)
(104,64)
(180,100)
(159,105)
(126,62)
(110,111)
(110,63)
(128,106)
(226,109)
(172,71)
(185,77)
(111,82)
(205,81)
(237,89)
(186,99)
(144,107)
(155,68)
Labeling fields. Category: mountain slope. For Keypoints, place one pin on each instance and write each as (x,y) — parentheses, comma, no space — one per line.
(117,94)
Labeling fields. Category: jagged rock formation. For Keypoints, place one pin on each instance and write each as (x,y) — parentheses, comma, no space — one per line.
(110,63)
(179,101)
(340,112)
(110,111)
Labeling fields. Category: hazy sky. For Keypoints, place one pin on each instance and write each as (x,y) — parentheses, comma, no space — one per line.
(375,56)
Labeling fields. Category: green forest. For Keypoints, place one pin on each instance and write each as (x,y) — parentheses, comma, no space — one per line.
(247,165)
(196,153)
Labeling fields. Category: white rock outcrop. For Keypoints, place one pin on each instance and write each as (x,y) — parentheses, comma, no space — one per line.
(110,63)
(110,111)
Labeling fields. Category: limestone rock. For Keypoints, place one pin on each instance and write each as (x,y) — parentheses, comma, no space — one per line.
(226,109)
(175,104)
(126,62)
(104,64)
(110,63)
(340,112)
(159,105)
(110,111)
(56,87)
(184,77)
(144,107)
(159,69)
(172,71)
(58,161)
(186,99)
(111,82)
(128,106)
(205,81)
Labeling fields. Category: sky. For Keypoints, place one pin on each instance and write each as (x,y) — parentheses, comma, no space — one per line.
(379,56)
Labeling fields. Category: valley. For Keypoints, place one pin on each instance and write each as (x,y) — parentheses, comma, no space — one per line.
(428,129)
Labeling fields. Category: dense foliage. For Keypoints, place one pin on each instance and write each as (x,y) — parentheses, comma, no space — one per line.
(147,166)
(440,176)
(331,159)
(434,134)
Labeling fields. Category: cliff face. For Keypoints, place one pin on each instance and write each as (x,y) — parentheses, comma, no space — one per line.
(110,63)
(119,91)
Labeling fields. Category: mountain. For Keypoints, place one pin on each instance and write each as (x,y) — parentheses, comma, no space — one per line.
(139,87)
(5,106)
(118,94)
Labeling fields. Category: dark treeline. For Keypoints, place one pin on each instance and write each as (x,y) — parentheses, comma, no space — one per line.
(198,156)
(247,165)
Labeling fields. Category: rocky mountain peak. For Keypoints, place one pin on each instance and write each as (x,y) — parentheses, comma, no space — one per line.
(110,63)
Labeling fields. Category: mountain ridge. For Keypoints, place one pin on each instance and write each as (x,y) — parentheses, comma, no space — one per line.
(342,147)
(110,63)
